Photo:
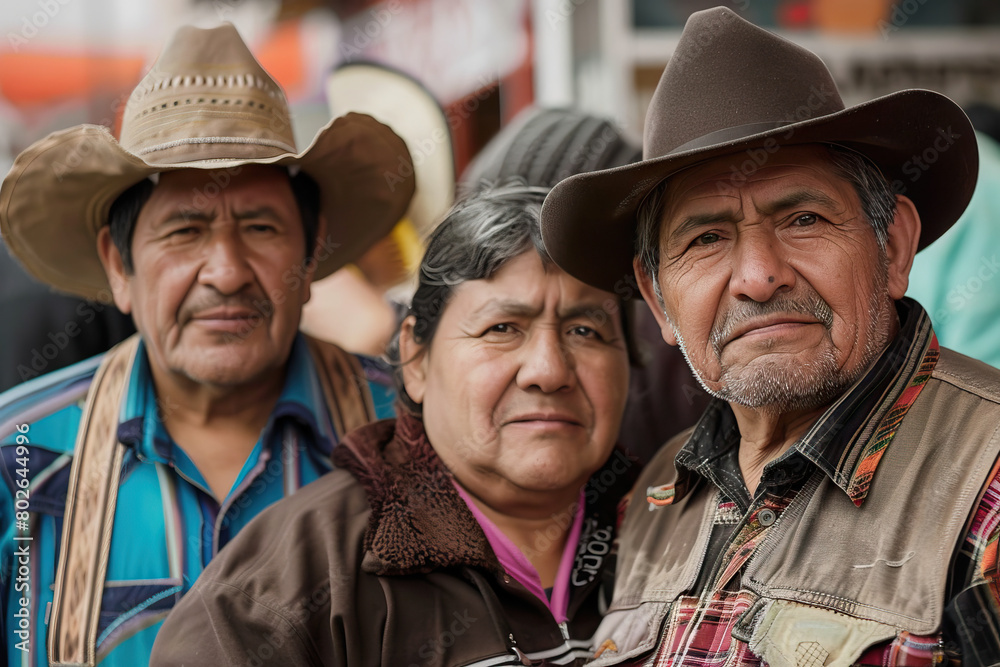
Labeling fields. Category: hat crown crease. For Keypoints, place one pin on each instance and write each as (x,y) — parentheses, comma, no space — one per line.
(755,78)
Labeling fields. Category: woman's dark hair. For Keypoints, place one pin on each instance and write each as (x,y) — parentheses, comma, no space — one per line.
(125,211)
(479,235)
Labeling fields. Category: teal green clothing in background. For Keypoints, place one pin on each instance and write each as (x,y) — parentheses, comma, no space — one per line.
(957,278)
(168,525)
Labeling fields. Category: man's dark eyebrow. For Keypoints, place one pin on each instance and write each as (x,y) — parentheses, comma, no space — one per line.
(506,307)
(586,309)
(188,215)
(200,215)
(261,212)
(798,198)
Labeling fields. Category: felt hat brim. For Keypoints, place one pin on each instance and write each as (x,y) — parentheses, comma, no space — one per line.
(921,141)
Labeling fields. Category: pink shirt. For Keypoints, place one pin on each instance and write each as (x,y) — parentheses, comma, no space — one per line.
(517,565)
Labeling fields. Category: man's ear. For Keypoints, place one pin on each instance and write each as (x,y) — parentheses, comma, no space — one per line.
(649,296)
(904,237)
(111,259)
(319,254)
(413,358)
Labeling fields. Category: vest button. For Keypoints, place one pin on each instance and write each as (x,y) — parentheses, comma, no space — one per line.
(766,517)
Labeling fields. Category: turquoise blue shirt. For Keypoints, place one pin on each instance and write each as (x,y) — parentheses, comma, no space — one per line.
(168,525)
(957,278)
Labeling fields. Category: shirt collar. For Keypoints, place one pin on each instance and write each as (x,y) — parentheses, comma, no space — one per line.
(301,399)
(872,407)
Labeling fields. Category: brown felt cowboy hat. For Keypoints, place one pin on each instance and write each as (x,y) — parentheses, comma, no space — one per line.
(732,88)
(205,104)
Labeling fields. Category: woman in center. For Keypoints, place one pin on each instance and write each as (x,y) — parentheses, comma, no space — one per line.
(474,528)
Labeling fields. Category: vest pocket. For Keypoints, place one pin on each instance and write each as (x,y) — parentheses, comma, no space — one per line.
(789,634)
(626,633)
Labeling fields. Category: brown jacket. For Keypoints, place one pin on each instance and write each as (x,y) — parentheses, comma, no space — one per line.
(381,563)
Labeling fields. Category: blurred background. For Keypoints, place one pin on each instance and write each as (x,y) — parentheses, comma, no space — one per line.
(64,62)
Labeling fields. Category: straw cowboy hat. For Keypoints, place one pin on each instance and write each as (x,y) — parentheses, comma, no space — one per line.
(731,88)
(413,113)
(205,104)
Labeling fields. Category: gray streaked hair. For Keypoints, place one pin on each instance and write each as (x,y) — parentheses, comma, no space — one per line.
(878,205)
(478,236)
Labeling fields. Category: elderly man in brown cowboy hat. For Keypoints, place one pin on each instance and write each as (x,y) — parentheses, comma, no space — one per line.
(837,503)
(124,476)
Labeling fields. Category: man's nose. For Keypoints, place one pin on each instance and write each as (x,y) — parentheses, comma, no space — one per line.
(226,267)
(759,266)
(546,363)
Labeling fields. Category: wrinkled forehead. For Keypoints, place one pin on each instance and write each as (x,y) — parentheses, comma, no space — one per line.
(527,286)
(244,188)
(757,173)
(530,276)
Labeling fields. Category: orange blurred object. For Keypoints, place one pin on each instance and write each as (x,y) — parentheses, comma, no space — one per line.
(31,79)
(849,15)
(281,55)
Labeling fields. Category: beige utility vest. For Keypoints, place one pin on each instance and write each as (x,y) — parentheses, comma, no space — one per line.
(830,572)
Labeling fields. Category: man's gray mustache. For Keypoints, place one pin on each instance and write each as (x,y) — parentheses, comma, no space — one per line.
(736,316)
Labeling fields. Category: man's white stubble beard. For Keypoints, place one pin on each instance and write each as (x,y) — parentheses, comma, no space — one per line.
(781,388)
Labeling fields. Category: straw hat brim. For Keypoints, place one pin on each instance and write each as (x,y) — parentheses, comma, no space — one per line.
(589,220)
(404,104)
(59,191)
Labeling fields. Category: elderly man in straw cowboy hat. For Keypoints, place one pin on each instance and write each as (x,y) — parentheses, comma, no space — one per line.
(838,502)
(124,476)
